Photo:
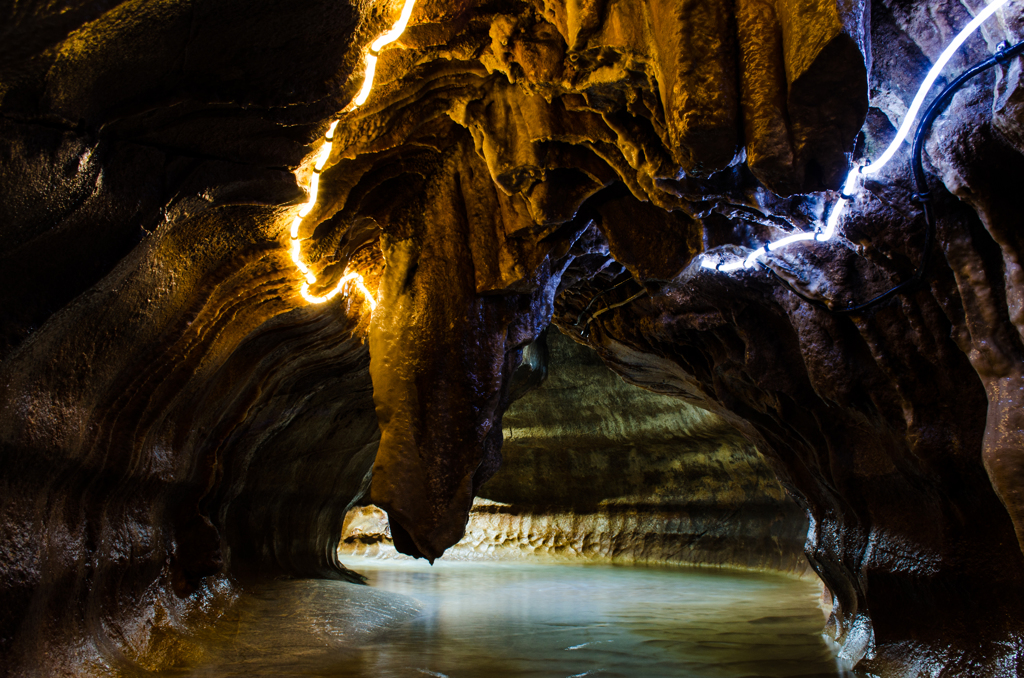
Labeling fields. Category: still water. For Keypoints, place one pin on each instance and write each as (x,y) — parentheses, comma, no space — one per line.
(490,620)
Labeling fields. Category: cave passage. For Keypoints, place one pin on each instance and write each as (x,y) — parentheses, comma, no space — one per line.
(476,620)
(284,285)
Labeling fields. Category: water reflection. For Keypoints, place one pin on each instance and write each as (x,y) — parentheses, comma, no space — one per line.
(514,620)
(463,620)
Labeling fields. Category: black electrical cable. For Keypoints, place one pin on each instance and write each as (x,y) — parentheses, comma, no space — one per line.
(585,330)
(1002,56)
(597,296)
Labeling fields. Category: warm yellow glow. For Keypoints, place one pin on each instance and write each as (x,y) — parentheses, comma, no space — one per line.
(297,256)
(396,30)
(314,185)
(371,68)
(321,161)
(325,154)
(348,277)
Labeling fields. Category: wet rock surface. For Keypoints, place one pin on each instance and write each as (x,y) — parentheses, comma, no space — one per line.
(173,416)
(648,478)
(594,469)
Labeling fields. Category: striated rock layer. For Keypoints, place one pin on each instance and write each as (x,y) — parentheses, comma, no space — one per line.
(175,419)
(595,469)
(486,156)
(162,387)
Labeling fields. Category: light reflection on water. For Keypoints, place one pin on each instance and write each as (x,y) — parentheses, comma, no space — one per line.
(488,620)
(515,620)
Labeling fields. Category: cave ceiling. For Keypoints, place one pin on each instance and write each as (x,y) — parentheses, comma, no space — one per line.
(180,180)
(500,144)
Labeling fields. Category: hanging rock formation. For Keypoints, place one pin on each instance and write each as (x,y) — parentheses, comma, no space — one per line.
(595,469)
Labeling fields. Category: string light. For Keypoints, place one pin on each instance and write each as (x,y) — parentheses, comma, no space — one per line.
(851,184)
(396,30)
(820,234)
(371,69)
(313,188)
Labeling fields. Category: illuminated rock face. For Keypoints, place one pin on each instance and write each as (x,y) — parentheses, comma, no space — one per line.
(172,413)
(595,469)
(593,465)
(160,383)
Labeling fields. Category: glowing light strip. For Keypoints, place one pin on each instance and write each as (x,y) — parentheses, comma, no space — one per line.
(850,185)
(321,161)
(371,69)
(396,30)
(933,75)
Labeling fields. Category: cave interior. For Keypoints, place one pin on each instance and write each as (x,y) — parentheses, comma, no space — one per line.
(732,283)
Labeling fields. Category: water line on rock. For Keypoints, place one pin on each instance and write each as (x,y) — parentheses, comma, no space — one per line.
(851,184)
(312,189)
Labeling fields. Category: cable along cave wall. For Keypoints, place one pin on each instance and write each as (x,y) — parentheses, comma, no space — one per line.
(174,418)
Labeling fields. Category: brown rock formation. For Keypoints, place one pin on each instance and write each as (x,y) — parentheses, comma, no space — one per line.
(595,469)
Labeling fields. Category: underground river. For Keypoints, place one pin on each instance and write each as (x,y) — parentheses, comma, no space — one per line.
(476,620)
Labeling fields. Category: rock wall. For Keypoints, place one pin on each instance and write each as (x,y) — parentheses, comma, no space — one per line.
(894,428)
(162,388)
(595,469)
